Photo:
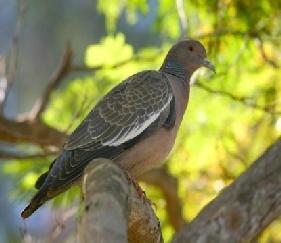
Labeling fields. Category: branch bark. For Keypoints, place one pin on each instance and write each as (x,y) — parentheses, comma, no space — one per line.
(244,209)
(114,210)
(26,131)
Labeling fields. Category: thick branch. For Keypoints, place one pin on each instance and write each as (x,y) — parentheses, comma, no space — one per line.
(245,208)
(30,132)
(114,211)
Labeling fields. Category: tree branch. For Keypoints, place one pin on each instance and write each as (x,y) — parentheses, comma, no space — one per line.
(114,211)
(55,80)
(25,131)
(245,208)
(19,156)
(243,100)
(268,60)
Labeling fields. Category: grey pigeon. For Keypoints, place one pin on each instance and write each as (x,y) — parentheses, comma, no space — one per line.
(135,124)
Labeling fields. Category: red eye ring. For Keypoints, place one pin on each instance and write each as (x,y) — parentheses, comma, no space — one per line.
(190,48)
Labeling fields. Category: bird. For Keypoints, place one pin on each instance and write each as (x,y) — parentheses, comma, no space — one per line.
(135,124)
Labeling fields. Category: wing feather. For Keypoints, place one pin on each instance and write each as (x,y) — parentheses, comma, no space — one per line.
(124,113)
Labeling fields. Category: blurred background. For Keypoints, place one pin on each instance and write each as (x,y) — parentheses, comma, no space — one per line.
(232,116)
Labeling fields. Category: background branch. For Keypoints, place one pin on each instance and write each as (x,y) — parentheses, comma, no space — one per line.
(35,132)
(55,80)
(246,101)
(19,156)
(268,60)
(245,208)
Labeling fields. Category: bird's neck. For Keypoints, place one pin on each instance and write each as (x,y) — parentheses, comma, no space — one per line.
(176,69)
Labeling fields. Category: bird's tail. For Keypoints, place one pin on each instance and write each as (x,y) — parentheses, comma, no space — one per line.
(44,182)
(34,204)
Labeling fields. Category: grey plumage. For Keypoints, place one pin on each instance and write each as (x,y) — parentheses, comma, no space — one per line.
(135,124)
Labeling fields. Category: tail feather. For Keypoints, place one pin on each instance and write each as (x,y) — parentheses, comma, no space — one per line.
(42,196)
(35,203)
(62,173)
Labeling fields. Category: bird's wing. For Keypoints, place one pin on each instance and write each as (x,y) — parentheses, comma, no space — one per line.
(124,113)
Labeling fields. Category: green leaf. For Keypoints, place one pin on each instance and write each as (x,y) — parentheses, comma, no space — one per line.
(111,50)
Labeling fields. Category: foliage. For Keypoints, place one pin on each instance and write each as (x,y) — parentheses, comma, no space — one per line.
(219,136)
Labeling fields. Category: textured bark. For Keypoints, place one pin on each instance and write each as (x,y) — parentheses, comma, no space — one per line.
(144,226)
(114,210)
(243,209)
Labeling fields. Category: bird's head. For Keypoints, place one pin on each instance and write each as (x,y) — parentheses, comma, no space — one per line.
(187,56)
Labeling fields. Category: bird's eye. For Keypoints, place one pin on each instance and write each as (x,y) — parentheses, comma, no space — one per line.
(190,48)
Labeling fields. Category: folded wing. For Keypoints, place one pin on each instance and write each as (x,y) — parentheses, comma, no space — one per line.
(124,113)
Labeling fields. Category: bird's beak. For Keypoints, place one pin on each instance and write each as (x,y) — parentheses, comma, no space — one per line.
(206,63)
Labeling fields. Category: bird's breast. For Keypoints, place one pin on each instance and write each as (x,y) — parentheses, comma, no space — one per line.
(148,153)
